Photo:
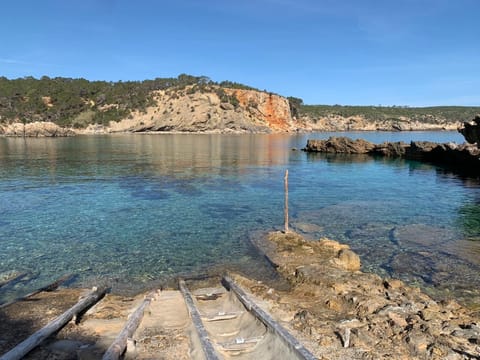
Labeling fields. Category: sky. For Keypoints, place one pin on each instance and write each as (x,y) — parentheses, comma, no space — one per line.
(349,52)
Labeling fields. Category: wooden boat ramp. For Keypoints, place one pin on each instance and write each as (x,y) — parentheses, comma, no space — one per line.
(218,321)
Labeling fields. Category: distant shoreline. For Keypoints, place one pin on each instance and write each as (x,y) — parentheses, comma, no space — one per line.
(48,129)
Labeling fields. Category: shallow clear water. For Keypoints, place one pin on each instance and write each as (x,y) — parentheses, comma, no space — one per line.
(131,210)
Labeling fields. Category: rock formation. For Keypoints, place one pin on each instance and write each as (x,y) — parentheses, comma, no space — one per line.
(343,145)
(343,313)
(464,157)
(334,122)
(35,129)
(220,111)
(471,131)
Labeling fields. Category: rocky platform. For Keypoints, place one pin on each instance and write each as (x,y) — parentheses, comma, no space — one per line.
(343,313)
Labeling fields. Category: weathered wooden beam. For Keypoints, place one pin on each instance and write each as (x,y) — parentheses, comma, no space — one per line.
(13,278)
(300,351)
(207,346)
(120,344)
(52,327)
(50,287)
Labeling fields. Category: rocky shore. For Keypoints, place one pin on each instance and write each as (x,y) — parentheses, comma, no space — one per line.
(35,129)
(344,313)
(334,309)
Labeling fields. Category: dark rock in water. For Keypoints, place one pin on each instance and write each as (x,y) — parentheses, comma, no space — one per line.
(421,235)
(464,158)
(391,149)
(342,144)
(471,131)
(419,150)
(413,263)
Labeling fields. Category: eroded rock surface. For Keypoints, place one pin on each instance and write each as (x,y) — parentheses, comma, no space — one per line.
(248,111)
(343,314)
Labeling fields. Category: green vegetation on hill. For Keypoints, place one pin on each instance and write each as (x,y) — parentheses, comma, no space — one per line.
(380,113)
(79,102)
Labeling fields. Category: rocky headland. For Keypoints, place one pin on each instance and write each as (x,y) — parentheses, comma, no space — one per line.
(238,111)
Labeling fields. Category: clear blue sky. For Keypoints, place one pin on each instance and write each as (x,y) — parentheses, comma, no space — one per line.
(366,52)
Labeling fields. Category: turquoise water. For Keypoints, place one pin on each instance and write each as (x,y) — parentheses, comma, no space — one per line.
(134,210)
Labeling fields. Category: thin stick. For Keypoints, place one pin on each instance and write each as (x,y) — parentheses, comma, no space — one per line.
(119,345)
(22,349)
(286,201)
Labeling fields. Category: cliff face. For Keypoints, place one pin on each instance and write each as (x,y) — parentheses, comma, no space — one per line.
(218,110)
(271,109)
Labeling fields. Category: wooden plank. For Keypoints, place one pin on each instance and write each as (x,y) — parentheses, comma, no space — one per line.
(120,344)
(241,344)
(12,279)
(207,346)
(54,326)
(222,315)
(274,326)
(50,287)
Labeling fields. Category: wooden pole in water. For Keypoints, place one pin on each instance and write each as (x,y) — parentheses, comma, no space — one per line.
(286,201)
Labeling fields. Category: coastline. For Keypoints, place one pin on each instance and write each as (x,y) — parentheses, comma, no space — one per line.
(49,129)
(332,307)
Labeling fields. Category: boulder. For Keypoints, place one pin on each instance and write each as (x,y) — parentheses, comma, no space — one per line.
(347,260)
(227,106)
(471,130)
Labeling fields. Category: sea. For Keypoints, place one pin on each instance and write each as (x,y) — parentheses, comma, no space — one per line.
(135,211)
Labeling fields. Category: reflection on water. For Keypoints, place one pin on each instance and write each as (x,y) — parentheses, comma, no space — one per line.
(132,210)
